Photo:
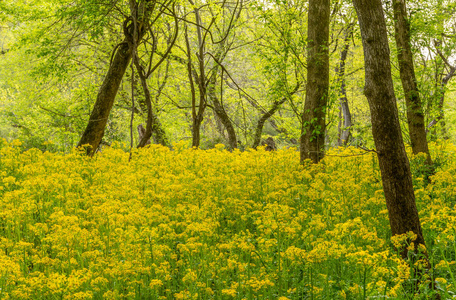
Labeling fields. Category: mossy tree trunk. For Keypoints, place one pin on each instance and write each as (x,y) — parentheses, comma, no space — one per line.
(314,115)
(105,99)
(415,115)
(386,130)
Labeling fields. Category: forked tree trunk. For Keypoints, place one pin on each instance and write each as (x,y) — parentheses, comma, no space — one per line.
(272,122)
(415,115)
(105,99)
(314,115)
(386,130)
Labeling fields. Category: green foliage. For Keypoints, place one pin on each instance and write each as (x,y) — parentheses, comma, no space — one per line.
(59,52)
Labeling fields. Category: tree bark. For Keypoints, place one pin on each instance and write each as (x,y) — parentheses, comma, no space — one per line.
(105,99)
(386,130)
(221,113)
(415,115)
(133,30)
(314,115)
(153,125)
(198,78)
(345,130)
(141,133)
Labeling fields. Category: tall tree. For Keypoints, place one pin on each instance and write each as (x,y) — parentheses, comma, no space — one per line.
(153,125)
(214,28)
(105,99)
(415,115)
(386,130)
(314,115)
(433,34)
(135,27)
(199,77)
(280,34)
(227,36)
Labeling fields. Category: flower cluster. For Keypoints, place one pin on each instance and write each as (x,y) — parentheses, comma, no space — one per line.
(214,224)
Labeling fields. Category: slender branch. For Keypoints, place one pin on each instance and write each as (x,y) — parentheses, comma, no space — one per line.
(168,51)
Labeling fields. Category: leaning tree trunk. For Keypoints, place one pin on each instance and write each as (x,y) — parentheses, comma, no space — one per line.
(263,119)
(415,115)
(272,122)
(268,114)
(386,130)
(345,130)
(105,99)
(107,93)
(314,115)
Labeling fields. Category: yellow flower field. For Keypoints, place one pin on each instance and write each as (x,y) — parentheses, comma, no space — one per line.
(194,224)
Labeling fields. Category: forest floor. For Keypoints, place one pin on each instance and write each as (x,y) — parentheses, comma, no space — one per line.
(214,224)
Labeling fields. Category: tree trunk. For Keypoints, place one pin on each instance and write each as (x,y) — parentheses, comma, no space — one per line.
(441,114)
(222,115)
(345,130)
(107,93)
(314,115)
(415,115)
(199,116)
(199,79)
(153,125)
(218,108)
(141,133)
(196,132)
(386,130)
(105,99)
(263,119)
(268,114)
